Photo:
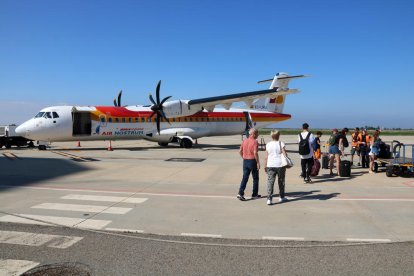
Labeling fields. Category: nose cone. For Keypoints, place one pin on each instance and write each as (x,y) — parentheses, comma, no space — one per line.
(24,129)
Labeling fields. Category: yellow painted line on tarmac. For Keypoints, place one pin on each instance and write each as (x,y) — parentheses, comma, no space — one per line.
(69,155)
(10,156)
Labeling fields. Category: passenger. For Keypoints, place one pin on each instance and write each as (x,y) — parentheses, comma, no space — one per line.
(251,164)
(306,152)
(364,145)
(374,143)
(336,149)
(273,166)
(317,145)
(355,147)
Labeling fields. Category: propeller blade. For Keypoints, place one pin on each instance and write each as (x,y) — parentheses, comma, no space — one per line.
(152,99)
(153,113)
(165,117)
(115,104)
(158,124)
(165,99)
(119,98)
(158,92)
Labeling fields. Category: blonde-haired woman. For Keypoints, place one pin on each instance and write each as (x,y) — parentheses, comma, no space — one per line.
(273,166)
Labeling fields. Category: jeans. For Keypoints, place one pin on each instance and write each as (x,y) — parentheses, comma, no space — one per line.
(249,166)
(271,177)
(306,167)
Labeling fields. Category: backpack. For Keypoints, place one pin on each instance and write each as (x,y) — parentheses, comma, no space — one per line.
(332,139)
(304,145)
(345,142)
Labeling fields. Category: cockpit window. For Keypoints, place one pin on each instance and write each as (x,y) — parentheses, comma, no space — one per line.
(47,115)
(55,115)
(40,114)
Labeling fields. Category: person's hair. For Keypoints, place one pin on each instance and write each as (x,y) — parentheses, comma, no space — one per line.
(305,126)
(357,128)
(275,134)
(252,131)
(319,133)
(344,130)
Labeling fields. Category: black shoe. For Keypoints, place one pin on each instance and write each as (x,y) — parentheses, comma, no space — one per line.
(240,197)
(256,196)
(308,180)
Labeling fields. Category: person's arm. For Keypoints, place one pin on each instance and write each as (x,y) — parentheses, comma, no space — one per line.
(341,146)
(241,150)
(256,155)
(265,160)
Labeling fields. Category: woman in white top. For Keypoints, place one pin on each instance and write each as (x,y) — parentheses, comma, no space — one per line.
(273,166)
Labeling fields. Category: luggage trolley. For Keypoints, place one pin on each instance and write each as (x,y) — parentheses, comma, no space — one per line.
(402,161)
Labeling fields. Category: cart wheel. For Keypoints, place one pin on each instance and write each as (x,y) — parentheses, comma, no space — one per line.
(389,170)
(375,167)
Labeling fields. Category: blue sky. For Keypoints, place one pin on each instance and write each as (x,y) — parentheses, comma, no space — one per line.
(360,55)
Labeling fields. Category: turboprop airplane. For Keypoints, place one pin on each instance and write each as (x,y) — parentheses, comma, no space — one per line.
(176,121)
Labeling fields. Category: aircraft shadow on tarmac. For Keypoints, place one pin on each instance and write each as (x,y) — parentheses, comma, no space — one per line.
(29,171)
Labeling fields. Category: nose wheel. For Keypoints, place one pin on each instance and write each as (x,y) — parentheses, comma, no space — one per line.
(42,147)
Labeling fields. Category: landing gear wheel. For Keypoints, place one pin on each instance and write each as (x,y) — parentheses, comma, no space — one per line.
(31,145)
(162,144)
(389,170)
(42,147)
(8,145)
(186,143)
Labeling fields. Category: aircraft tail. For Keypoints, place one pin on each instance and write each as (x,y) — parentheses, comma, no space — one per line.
(276,104)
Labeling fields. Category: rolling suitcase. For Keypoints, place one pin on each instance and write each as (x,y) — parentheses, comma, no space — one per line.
(325,162)
(315,168)
(345,168)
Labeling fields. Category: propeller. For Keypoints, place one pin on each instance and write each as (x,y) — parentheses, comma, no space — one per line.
(119,99)
(157,108)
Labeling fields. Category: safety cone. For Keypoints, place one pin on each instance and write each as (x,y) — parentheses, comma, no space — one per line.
(78,144)
(110,146)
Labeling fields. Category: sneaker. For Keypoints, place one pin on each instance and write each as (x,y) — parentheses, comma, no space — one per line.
(256,196)
(282,199)
(269,202)
(308,180)
(241,197)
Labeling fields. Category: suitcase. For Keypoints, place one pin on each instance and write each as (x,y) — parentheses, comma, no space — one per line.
(325,162)
(315,167)
(345,168)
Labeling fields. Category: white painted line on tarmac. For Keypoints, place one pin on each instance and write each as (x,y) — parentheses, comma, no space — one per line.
(105,198)
(367,240)
(283,238)
(124,230)
(50,220)
(11,267)
(35,239)
(200,235)
(82,208)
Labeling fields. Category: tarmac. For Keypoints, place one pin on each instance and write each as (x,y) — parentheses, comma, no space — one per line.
(141,187)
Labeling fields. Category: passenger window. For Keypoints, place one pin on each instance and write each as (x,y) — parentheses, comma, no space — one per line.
(143,120)
(123,120)
(136,120)
(110,120)
(102,119)
(116,120)
(55,115)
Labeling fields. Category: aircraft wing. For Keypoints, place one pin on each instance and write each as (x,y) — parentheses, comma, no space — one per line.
(247,97)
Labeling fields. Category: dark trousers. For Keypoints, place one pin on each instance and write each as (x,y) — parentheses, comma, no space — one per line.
(364,157)
(249,166)
(306,167)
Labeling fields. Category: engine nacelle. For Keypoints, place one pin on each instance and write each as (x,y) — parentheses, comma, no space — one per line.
(178,108)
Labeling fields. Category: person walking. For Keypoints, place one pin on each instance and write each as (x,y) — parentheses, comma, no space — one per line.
(306,152)
(375,149)
(364,148)
(336,149)
(355,146)
(273,166)
(249,151)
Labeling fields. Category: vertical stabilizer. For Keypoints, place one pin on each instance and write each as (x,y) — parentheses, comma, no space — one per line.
(276,104)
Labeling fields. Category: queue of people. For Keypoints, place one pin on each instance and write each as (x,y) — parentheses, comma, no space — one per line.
(363,145)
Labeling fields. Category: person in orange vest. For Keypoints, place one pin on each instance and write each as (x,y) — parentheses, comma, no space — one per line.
(363,144)
(354,147)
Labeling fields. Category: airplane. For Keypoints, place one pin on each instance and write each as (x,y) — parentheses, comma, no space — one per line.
(175,121)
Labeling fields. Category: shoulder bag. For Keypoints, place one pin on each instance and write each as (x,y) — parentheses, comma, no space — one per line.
(286,161)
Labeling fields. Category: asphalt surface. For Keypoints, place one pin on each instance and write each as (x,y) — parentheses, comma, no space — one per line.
(181,206)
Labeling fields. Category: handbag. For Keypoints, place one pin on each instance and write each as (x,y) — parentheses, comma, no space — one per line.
(286,161)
